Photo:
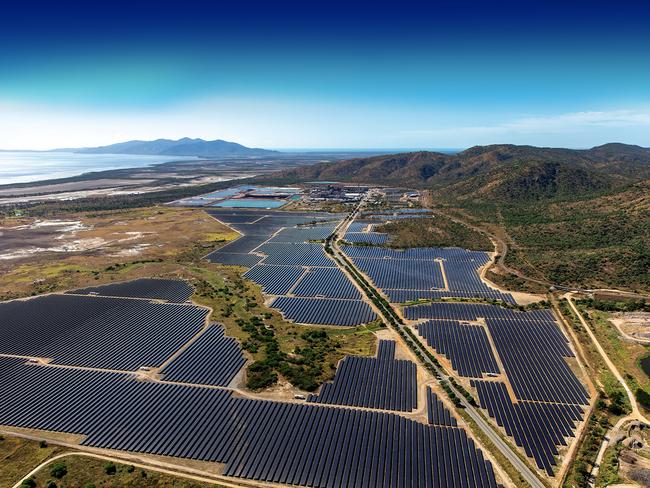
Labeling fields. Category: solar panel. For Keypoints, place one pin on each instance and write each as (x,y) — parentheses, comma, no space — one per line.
(99,332)
(382,382)
(299,444)
(326,282)
(465,345)
(161,289)
(213,359)
(325,311)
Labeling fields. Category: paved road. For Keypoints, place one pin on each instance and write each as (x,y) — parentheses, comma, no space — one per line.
(487,429)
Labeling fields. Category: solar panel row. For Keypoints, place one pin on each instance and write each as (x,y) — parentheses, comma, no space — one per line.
(382,382)
(261,440)
(212,359)
(98,332)
(465,345)
(325,311)
(419,253)
(472,311)
(403,296)
(437,413)
(161,289)
(537,427)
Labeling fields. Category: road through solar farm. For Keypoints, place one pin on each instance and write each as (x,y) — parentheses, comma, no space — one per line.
(463,387)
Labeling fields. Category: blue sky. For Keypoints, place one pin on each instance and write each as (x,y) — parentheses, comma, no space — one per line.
(326,74)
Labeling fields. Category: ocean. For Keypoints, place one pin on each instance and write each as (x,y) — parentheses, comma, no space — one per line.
(27,166)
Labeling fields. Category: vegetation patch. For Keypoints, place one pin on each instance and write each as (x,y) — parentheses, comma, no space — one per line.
(436,231)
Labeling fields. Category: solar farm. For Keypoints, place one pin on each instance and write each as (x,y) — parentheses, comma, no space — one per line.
(155,380)
(517,363)
(286,257)
(136,366)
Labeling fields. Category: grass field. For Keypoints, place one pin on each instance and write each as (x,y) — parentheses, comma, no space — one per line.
(19,456)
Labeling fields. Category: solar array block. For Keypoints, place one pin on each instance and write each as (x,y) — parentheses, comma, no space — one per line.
(275,280)
(472,311)
(402,274)
(382,382)
(287,443)
(465,345)
(537,427)
(419,253)
(533,355)
(304,234)
(243,244)
(161,289)
(437,413)
(234,259)
(326,282)
(366,237)
(98,332)
(295,254)
(325,311)
(213,359)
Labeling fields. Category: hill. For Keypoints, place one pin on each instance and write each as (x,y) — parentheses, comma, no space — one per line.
(181,147)
(504,172)
(569,217)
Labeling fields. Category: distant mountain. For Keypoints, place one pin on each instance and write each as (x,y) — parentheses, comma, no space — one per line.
(505,172)
(181,147)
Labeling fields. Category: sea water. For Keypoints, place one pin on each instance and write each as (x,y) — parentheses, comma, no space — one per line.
(26,166)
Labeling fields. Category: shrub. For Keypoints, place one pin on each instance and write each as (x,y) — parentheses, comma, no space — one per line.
(110,468)
(28,483)
(42,444)
(59,470)
(643,397)
(50,484)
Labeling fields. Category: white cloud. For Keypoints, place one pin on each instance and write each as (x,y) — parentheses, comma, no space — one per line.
(576,129)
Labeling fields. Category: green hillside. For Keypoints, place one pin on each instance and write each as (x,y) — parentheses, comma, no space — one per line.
(571,217)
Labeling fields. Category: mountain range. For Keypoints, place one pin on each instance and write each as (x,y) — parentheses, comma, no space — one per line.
(181,147)
(505,172)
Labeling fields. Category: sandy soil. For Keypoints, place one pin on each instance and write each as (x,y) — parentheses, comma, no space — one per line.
(633,326)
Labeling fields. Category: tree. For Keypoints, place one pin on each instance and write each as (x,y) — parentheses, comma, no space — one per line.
(59,470)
